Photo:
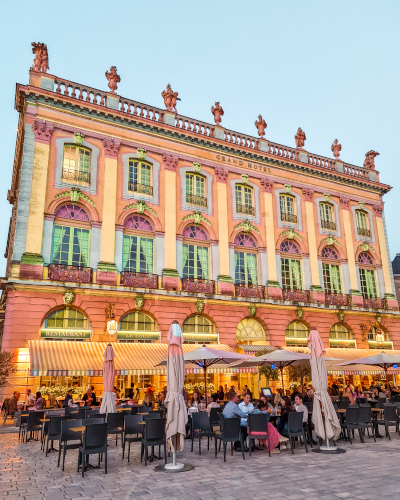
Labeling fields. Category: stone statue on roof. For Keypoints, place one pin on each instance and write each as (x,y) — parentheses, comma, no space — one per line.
(113,78)
(41,61)
(300,138)
(217,111)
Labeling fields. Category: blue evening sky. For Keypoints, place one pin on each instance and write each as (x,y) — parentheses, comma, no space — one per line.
(331,68)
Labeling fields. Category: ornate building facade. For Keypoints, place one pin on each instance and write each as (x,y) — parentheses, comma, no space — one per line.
(127,211)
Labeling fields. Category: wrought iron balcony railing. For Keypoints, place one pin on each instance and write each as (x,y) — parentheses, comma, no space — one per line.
(337,299)
(139,280)
(244,209)
(197,285)
(328,225)
(192,199)
(375,303)
(288,217)
(363,232)
(71,174)
(62,272)
(140,188)
(243,290)
(296,295)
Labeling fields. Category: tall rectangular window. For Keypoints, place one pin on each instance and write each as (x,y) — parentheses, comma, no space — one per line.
(246,270)
(195,190)
(368,283)
(244,199)
(195,261)
(361,219)
(286,204)
(71,246)
(291,274)
(140,177)
(332,282)
(76,164)
(325,211)
(137,254)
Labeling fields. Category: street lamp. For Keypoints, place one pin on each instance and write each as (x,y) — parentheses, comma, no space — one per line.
(112,326)
(380,338)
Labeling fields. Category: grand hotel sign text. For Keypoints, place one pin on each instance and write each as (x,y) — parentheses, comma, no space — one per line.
(245,164)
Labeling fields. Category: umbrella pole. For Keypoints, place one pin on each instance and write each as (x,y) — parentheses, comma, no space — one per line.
(205,383)
(283,387)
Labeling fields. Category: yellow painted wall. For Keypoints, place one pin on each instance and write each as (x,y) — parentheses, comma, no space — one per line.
(34,236)
(348,234)
(383,251)
(223,228)
(312,243)
(109,207)
(170,219)
(270,236)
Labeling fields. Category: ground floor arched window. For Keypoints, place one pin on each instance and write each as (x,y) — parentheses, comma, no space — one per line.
(340,336)
(138,327)
(199,329)
(250,331)
(297,334)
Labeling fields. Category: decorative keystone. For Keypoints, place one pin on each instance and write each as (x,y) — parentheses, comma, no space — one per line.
(362,204)
(199,306)
(75,194)
(246,226)
(197,167)
(245,178)
(139,302)
(68,297)
(78,138)
(327,197)
(197,218)
(299,313)
(252,310)
(141,206)
(141,153)
(288,188)
(340,316)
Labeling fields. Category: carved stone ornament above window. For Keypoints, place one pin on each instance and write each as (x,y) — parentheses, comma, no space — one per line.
(221,174)
(288,188)
(245,178)
(290,234)
(330,240)
(197,167)
(68,297)
(75,195)
(199,306)
(308,194)
(111,147)
(139,302)
(327,197)
(170,162)
(365,247)
(378,209)
(141,206)
(197,218)
(78,138)
(299,313)
(141,153)
(340,316)
(252,310)
(266,185)
(362,205)
(246,226)
(344,202)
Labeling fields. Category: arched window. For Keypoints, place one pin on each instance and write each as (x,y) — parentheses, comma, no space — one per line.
(331,271)
(66,324)
(140,177)
(244,199)
(297,334)
(290,267)
(379,339)
(196,189)
(250,331)
(287,205)
(246,268)
(138,249)
(76,164)
(340,336)
(196,326)
(367,276)
(71,244)
(195,258)
(362,223)
(326,214)
(137,327)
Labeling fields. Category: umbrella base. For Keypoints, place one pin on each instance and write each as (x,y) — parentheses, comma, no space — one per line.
(331,450)
(174,468)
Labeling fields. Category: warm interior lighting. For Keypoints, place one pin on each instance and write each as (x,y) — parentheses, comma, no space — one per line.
(380,338)
(112,326)
(23,355)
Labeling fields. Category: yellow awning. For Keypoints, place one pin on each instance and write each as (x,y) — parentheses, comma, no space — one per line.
(57,358)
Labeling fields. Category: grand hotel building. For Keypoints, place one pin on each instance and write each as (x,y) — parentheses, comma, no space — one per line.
(125,209)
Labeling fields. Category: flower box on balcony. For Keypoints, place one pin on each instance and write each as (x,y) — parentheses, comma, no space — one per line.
(255,291)
(337,299)
(296,295)
(62,272)
(197,285)
(139,280)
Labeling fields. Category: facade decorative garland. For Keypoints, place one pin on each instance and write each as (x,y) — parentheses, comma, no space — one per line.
(197,217)
(364,247)
(141,206)
(368,327)
(246,226)
(291,234)
(75,195)
(330,240)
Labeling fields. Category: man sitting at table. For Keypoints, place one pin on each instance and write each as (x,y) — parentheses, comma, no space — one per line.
(13,403)
(232,410)
(89,398)
(30,398)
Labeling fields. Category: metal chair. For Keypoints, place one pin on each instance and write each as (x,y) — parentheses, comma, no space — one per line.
(344,404)
(34,424)
(97,416)
(153,435)
(92,421)
(24,421)
(381,402)
(82,413)
(66,436)
(71,412)
(116,426)
(351,423)
(132,427)
(365,419)
(201,428)
(230,433)
(296,428)
(214,418)
(389,418)
(258,429)
(94,443)
(53,433)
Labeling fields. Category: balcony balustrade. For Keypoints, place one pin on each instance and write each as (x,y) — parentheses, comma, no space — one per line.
(337,299)
(71,174)
(197,285)
(192,199)
(62,272)
(140,188)
(139,280)
(296,295)
(244,209)
(288,217)
(375,303)
(328,225)
(364,232)
(255,291)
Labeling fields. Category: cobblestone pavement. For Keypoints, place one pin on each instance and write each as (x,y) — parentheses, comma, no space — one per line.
(365,471)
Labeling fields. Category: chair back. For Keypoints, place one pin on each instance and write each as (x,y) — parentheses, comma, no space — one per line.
(82,412)
(232,428)
(95,410)
(35,417)
(295,421)
(397,405)
(364,414)
(70,409)
(95,435)
(352,415)
(258,422)
(389,412)
(66,433)
(55,425)
(115,421)
(92,421)
(395,399)
(344,404)
(145,409)
(214,418)
(354,405)
(361,400)
(155,428)
(24,418)
(97,416)
(151,415)
(132,425)
(381,402)
(309,406)
(221,421)
(200,421)
(134,409)
(160,412)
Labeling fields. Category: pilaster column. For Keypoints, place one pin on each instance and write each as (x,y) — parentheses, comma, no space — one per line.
(317,291)
(225,283)
(348,236)
(274,287)
(106,268)
(32,260)
(170,279)
(383,249)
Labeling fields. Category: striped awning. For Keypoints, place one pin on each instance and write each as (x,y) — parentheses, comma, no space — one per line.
(57,358)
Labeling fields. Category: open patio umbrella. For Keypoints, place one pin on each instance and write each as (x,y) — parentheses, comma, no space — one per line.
(383,360)
(108,401)
(322,401)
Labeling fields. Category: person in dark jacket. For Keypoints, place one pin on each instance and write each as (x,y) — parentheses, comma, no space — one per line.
(68,398)
(89,398)
(284,418)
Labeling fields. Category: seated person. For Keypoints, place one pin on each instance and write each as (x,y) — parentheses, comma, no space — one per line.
(268,405)
(13,403)
(283,421)
(68,399)
(39,401)
(89,398)
(213,403)
(232,410)
(30,398)
(116,392)
(194,402)
(299,406)
(274,437)
(308,398)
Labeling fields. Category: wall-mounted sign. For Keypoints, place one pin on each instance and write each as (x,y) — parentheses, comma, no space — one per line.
(201,337)
(342,343)
(378,345)
(298,342)
(229,160)
(126,335)
(64,333)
